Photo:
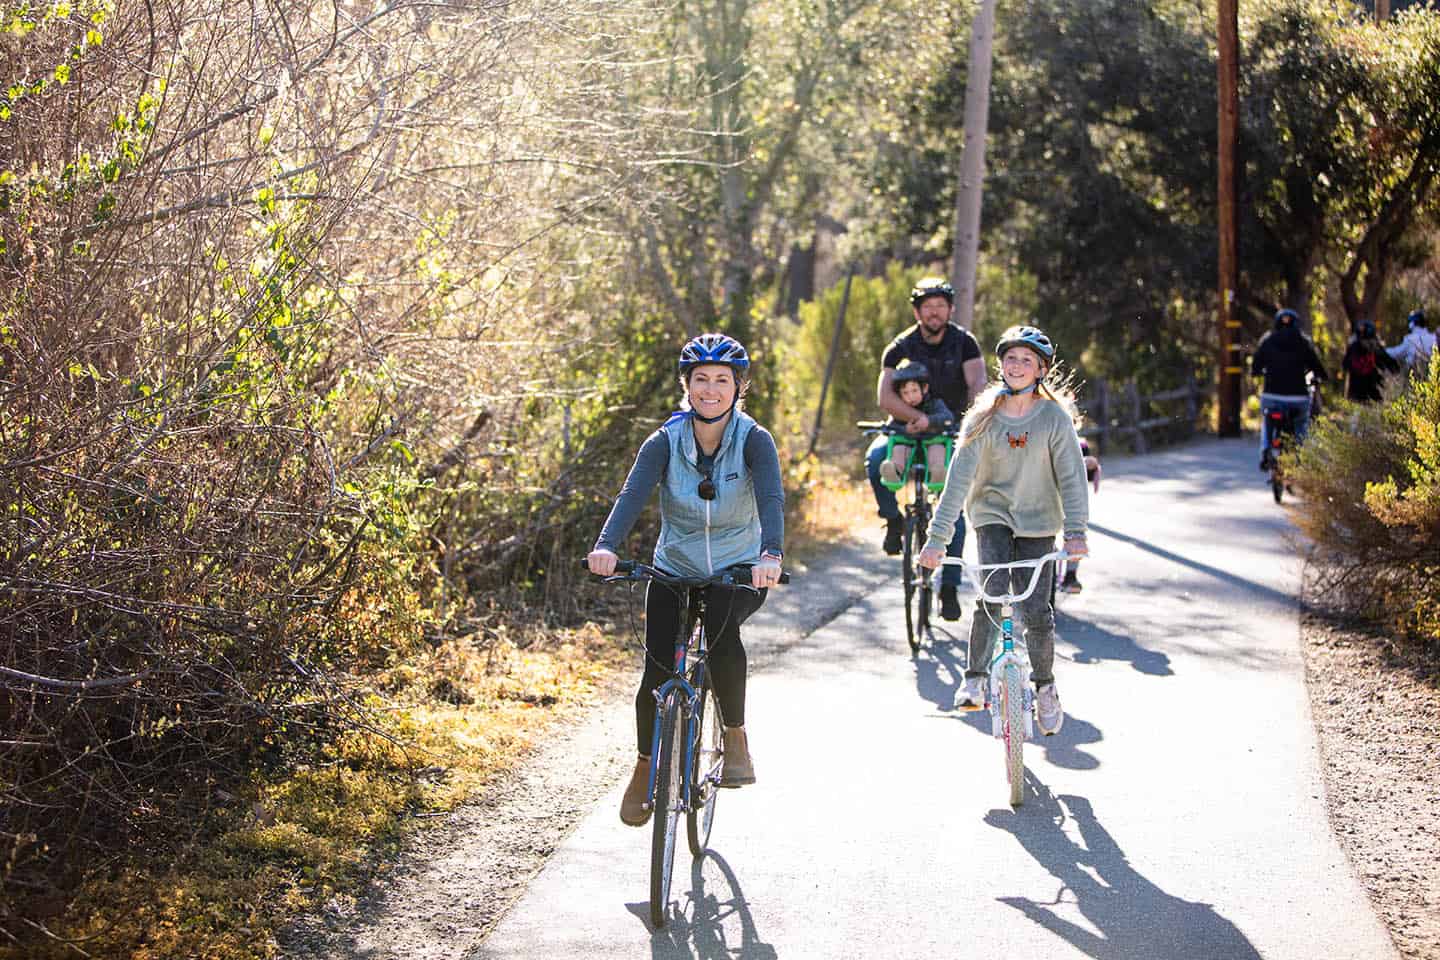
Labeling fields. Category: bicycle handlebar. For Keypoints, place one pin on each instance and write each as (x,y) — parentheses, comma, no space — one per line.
(736,576)
(898,429)
(1037,564)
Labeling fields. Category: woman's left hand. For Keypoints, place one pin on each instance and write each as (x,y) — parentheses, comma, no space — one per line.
(766,573)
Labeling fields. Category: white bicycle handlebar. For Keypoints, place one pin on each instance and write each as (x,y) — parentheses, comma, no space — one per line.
(1059,557)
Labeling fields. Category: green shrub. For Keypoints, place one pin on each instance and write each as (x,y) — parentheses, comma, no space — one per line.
(1370,476)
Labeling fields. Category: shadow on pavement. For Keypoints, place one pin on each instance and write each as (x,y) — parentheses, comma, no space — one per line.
(1134,917)
(1094,643)
(1249,585)
(697,931)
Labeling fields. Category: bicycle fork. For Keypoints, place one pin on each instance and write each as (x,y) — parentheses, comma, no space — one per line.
(1007,658)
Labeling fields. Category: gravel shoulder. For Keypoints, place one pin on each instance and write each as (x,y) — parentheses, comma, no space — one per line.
(1377,718)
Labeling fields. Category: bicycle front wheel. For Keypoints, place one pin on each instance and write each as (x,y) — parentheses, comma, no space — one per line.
(1012,696)
(705,778)
(912,586)
(667,808)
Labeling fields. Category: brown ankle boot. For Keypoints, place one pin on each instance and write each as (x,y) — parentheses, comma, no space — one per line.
(634,805)
(738,770)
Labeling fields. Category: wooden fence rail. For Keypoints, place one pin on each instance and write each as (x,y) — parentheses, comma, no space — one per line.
(1127,414)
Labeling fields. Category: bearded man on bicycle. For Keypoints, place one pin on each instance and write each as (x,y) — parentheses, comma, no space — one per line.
(957,373)
(1283,359)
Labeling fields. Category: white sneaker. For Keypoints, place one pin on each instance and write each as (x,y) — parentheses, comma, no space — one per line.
(971,696)
(1047,710)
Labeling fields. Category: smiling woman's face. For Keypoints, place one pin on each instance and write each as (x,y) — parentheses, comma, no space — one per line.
(711,389)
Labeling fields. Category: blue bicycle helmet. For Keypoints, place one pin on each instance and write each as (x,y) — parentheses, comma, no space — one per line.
(714,348)
(1365,329)
(1026,336)
(931,287)
(1285,317)
(910,370)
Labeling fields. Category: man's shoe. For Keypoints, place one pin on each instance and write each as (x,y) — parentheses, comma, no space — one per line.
(1047,710)
(635,804)
(889,472)
(971,695)
(894,530)
(1071,583)
(949,602)
(737,770)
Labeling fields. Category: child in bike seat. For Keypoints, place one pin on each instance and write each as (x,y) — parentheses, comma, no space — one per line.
(912,383)
(1019,474)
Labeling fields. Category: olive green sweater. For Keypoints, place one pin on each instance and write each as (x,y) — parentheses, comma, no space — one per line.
(1024,472)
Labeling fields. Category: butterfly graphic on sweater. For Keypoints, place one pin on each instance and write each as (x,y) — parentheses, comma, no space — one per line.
(1019,441)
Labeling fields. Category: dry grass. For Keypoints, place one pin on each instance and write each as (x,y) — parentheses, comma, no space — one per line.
(452,722)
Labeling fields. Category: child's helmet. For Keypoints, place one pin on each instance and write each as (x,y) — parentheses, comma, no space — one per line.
(911,370)
(714,348)
(931,287)
(1026,336)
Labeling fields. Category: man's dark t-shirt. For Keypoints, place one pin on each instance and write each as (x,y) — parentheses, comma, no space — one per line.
(945,361)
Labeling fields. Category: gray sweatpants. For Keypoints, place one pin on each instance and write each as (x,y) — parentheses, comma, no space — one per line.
(997,543)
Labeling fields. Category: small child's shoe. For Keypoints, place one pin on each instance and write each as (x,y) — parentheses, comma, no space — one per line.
(889,472)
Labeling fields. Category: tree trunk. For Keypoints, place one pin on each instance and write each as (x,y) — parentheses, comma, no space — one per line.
(972,164)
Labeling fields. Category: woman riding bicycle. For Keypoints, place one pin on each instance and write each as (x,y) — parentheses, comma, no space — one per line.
(721,504)
(1019,474)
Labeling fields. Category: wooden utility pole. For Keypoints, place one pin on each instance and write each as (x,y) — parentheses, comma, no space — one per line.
(1230,361)
(1382,10)
(830,363)
(972,164)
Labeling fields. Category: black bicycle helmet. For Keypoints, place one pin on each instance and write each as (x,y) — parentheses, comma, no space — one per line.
(1026,336)
(931,287)
(910,370)
(714,348)
(1416,319)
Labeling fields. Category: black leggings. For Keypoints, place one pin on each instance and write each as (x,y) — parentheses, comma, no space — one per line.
(725,609)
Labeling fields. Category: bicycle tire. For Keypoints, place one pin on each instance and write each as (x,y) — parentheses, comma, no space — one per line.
(1277,485)
(907,559)
(666,808)
(927,577)
(705,776)
(1013,697)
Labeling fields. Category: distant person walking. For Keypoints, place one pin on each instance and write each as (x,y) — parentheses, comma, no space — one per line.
(1418,346)
(1366,364)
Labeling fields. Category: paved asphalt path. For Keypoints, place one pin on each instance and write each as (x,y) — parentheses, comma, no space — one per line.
(1178,814)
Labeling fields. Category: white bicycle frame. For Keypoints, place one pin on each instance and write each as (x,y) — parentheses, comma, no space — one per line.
(1008,651)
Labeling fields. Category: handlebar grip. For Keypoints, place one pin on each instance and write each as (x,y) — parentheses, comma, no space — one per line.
(621,566)
(784,576)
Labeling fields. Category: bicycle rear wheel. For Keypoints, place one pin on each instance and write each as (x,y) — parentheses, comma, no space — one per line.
(705,778)
(1012,695)
(912,585)
(667,807)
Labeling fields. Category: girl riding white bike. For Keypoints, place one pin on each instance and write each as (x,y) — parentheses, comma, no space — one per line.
(1019,475)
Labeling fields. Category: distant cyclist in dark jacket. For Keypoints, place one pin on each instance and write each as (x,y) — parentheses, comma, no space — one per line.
(1283,358)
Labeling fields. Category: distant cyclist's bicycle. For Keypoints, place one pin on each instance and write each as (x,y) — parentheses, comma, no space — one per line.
(687,753)
(1010,697)
(919,582)
(1280,432)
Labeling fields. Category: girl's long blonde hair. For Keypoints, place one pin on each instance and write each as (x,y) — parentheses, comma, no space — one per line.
(1056,384)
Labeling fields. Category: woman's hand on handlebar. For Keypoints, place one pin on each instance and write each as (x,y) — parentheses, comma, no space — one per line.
(1076,547)
(601,562)
(766,573)
(931,557)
